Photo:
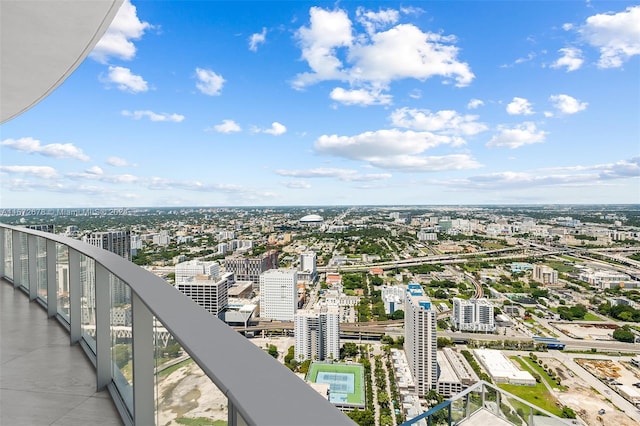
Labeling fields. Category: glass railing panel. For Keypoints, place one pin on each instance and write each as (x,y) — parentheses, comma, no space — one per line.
(121,339)
(474,402)
(459,409)
(88,301)
(41,268)
(8,253)
(24,261)
(183,394)
(62,280)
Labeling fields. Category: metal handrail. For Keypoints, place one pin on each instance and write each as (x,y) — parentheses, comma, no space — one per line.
(258,387)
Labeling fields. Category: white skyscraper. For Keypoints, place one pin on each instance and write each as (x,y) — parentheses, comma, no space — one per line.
(420,342)
(317,335)
(473,315)
(192,268)
(308,262)
(393,298)
(118,242)
(278,294)
(209,292)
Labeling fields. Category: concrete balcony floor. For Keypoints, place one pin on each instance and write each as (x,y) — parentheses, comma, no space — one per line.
(43,379)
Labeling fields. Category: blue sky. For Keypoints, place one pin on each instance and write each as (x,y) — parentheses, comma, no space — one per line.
(295,103)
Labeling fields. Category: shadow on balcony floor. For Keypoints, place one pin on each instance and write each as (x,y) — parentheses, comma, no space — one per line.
(44,380)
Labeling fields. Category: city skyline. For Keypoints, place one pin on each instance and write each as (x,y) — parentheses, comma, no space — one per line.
(371,103)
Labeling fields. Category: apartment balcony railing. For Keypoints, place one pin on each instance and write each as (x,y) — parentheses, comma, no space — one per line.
(486,404)
(130,322)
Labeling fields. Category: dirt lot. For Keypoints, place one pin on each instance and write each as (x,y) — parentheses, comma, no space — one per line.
(188,392)
(586,401)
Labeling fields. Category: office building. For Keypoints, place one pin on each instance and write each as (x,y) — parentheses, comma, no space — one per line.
(278,294)
(545,275)
(454,373)
(207,291)
(393,298)
(420,342)
(249,269)
(193,268)
(473,315)
(308,266)
(317,335)
(118,242)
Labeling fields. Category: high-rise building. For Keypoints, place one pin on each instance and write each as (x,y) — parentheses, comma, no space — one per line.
(545,275)
(118,242)
(473,315)
(420,342)
(249,269)
(308,262)
(278,294)
(193,268)
(207,291)
(317,335)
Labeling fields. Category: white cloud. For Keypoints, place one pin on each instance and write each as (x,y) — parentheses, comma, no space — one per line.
(548,114)
(360,97)
(374,59)
(116,41)
(395,149)
(227,126)
(276,129)
(560,176)
(571,59)
(125,80)
(373,21)
(328,31)
(410,163)
(347,175)
(567,104)
(515,137)
(44,172)
(519,106)
(117,162)
(617,36)
(95,170)
(475,103)
(209,83)
(153,116)
(297,184)
(257,39)
(568,26)
(446,121)
(55,150)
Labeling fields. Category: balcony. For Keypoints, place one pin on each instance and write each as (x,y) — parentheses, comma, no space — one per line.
(125,319)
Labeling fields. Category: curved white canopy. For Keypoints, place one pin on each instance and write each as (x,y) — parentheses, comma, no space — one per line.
(42,43)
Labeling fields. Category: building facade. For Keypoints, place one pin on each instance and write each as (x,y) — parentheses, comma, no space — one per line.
(545,275)
(278,294)
(193,268)
(207,291)
(473,315)
(317,335)
(420,343)
(249,269)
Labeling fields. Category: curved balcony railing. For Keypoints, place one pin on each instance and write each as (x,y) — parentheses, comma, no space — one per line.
(131,323)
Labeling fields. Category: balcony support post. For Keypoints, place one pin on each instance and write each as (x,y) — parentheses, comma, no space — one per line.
(52,288)
(3,242)
(75,290)
(32,266)
(233,416)
(143,363)
(103,327)
(16,247)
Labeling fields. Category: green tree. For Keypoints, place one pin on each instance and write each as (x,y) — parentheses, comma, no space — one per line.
(273,351)
(121,355)
(624,334)
(398,314)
